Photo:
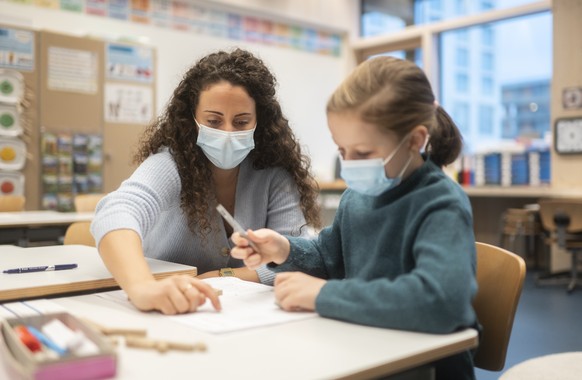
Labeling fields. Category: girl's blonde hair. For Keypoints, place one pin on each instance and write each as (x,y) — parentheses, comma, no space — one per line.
(396,96)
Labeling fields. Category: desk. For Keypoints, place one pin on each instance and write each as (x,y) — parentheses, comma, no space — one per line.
(91,275)
(488,203)
(25,226)
(315,348)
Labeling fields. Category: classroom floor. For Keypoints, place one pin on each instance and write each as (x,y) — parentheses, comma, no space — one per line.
(548,320)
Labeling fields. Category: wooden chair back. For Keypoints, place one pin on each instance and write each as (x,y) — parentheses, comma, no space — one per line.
(500,277)
(79,233)
(87,202)
(10,203)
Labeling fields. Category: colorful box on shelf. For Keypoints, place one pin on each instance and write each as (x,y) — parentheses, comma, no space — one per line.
(95,358)
(539,166)
(492,172)
(520,169)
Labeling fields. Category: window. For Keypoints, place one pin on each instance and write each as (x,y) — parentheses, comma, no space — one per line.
(462,35)
(411,55)
(486,120)
(462,82)
(435,5)
(493,78)
(462,57)
(460,7)
(487,61)
(509,98)
(487,85)
(378,18)
(486,5)
(461,117)
(376,23)
(396,15)
(487,35)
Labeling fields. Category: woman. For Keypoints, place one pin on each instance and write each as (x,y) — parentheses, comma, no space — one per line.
(222,139)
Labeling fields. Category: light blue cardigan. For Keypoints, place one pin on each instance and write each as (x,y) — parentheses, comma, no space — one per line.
(149,203)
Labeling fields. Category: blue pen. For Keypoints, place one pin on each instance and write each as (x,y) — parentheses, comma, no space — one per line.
(43,268)
(46,341)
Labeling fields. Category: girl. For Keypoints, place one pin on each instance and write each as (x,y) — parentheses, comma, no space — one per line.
(401,251)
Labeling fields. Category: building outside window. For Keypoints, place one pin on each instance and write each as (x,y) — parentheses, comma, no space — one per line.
(462,111)
(486,113)
(487,85)
(526,108)
(462,57)
(494,78)
(411,12)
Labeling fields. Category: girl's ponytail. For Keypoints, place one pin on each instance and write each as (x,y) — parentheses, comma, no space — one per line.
(446,142)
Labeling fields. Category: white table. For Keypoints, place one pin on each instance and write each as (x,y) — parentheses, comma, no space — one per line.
(315,348)
(90,275)
(25,226)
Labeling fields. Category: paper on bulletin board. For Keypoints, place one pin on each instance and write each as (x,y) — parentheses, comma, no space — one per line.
(11,86)
(72,70)
(10,120)
(131,63)
(12,153)
(127,104)
(17,49)
(11,183)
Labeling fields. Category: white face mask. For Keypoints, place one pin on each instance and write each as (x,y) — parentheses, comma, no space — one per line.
(369,176)
(224,149)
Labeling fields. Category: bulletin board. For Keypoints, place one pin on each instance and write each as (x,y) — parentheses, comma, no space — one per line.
(71,118)
(19,51)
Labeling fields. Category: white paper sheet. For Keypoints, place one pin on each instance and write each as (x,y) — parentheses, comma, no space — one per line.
(244,305)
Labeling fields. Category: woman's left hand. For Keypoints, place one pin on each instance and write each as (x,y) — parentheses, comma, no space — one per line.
(295,291)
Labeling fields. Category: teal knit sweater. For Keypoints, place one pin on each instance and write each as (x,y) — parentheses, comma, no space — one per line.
(403,260)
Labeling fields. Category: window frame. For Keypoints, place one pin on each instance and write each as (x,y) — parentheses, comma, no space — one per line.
(426,36)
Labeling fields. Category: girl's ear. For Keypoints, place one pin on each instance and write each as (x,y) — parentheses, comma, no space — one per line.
(418,138)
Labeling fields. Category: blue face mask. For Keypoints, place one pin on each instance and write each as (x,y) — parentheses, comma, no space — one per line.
(225,149)
(369,176)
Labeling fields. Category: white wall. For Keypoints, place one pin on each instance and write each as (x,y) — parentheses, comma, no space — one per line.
(305,79)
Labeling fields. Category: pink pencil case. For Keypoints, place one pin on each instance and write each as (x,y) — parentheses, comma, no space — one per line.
(20,363)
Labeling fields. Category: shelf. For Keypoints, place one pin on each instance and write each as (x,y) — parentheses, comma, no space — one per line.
(522,192)
(544,191)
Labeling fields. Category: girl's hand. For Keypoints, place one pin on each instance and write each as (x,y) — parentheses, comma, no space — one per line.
(173,295)
(272,247)
(295,291)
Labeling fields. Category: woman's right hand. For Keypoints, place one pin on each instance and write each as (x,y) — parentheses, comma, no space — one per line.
(173,295)
(273,247)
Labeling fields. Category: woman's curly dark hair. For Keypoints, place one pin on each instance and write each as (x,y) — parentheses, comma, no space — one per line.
(275,143)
